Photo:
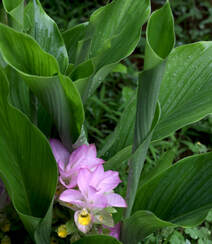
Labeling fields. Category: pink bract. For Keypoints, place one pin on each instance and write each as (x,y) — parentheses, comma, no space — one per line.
(69,164)
(95,190)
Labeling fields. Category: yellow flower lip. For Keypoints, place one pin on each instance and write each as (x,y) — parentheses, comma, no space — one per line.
(84,217)
(62,231)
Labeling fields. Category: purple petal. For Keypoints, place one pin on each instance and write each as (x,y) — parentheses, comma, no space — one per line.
(84,157)
(61,154)
(97,176)
(96,200)
(115,200)
(91,151)
(68,181)
(110,181)
(77,156)
(73,197)
(83,181)
(99,201)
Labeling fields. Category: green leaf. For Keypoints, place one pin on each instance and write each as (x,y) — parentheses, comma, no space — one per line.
(186,88)
(27,167)
(97,239)
(40,71)
(72,38)
(185,94)
(44,122)
(15,11)
(163,163)
(124,130)
(121,156)
(160,36)
(23,53)
(209,217)
(140,225)
(136,163)
(82,71)
(115,23)
(120,68)
(60,97)
(45,31)
(147,115)
(196,232)
(179,196)
(87,86)
(19,92)
(148,91)
(118,22)
(177,238)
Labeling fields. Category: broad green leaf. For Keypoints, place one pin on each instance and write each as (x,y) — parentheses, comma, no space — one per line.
(126,124)
(163,163)
(15,11)
(83,71)
(180,196)
(40,71)
(186,87)
(19,91)
(150,79)
(136,163)
(160,36)
(140,225)
(148,91)
(72,38)
(44,122)
(124,130)
(27,167)
(87,86)
(60,97)
(185,94)
(22,52)
(147,115)
(45,31)
(97,239)
(111,35)
(120,157)
(118,22)
(3,64)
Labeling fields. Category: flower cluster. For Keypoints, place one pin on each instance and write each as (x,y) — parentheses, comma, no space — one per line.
(88,188)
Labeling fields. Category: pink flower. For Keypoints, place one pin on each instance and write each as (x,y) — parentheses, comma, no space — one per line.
(95,190)
(70,164)
(95,194)
(93,197)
